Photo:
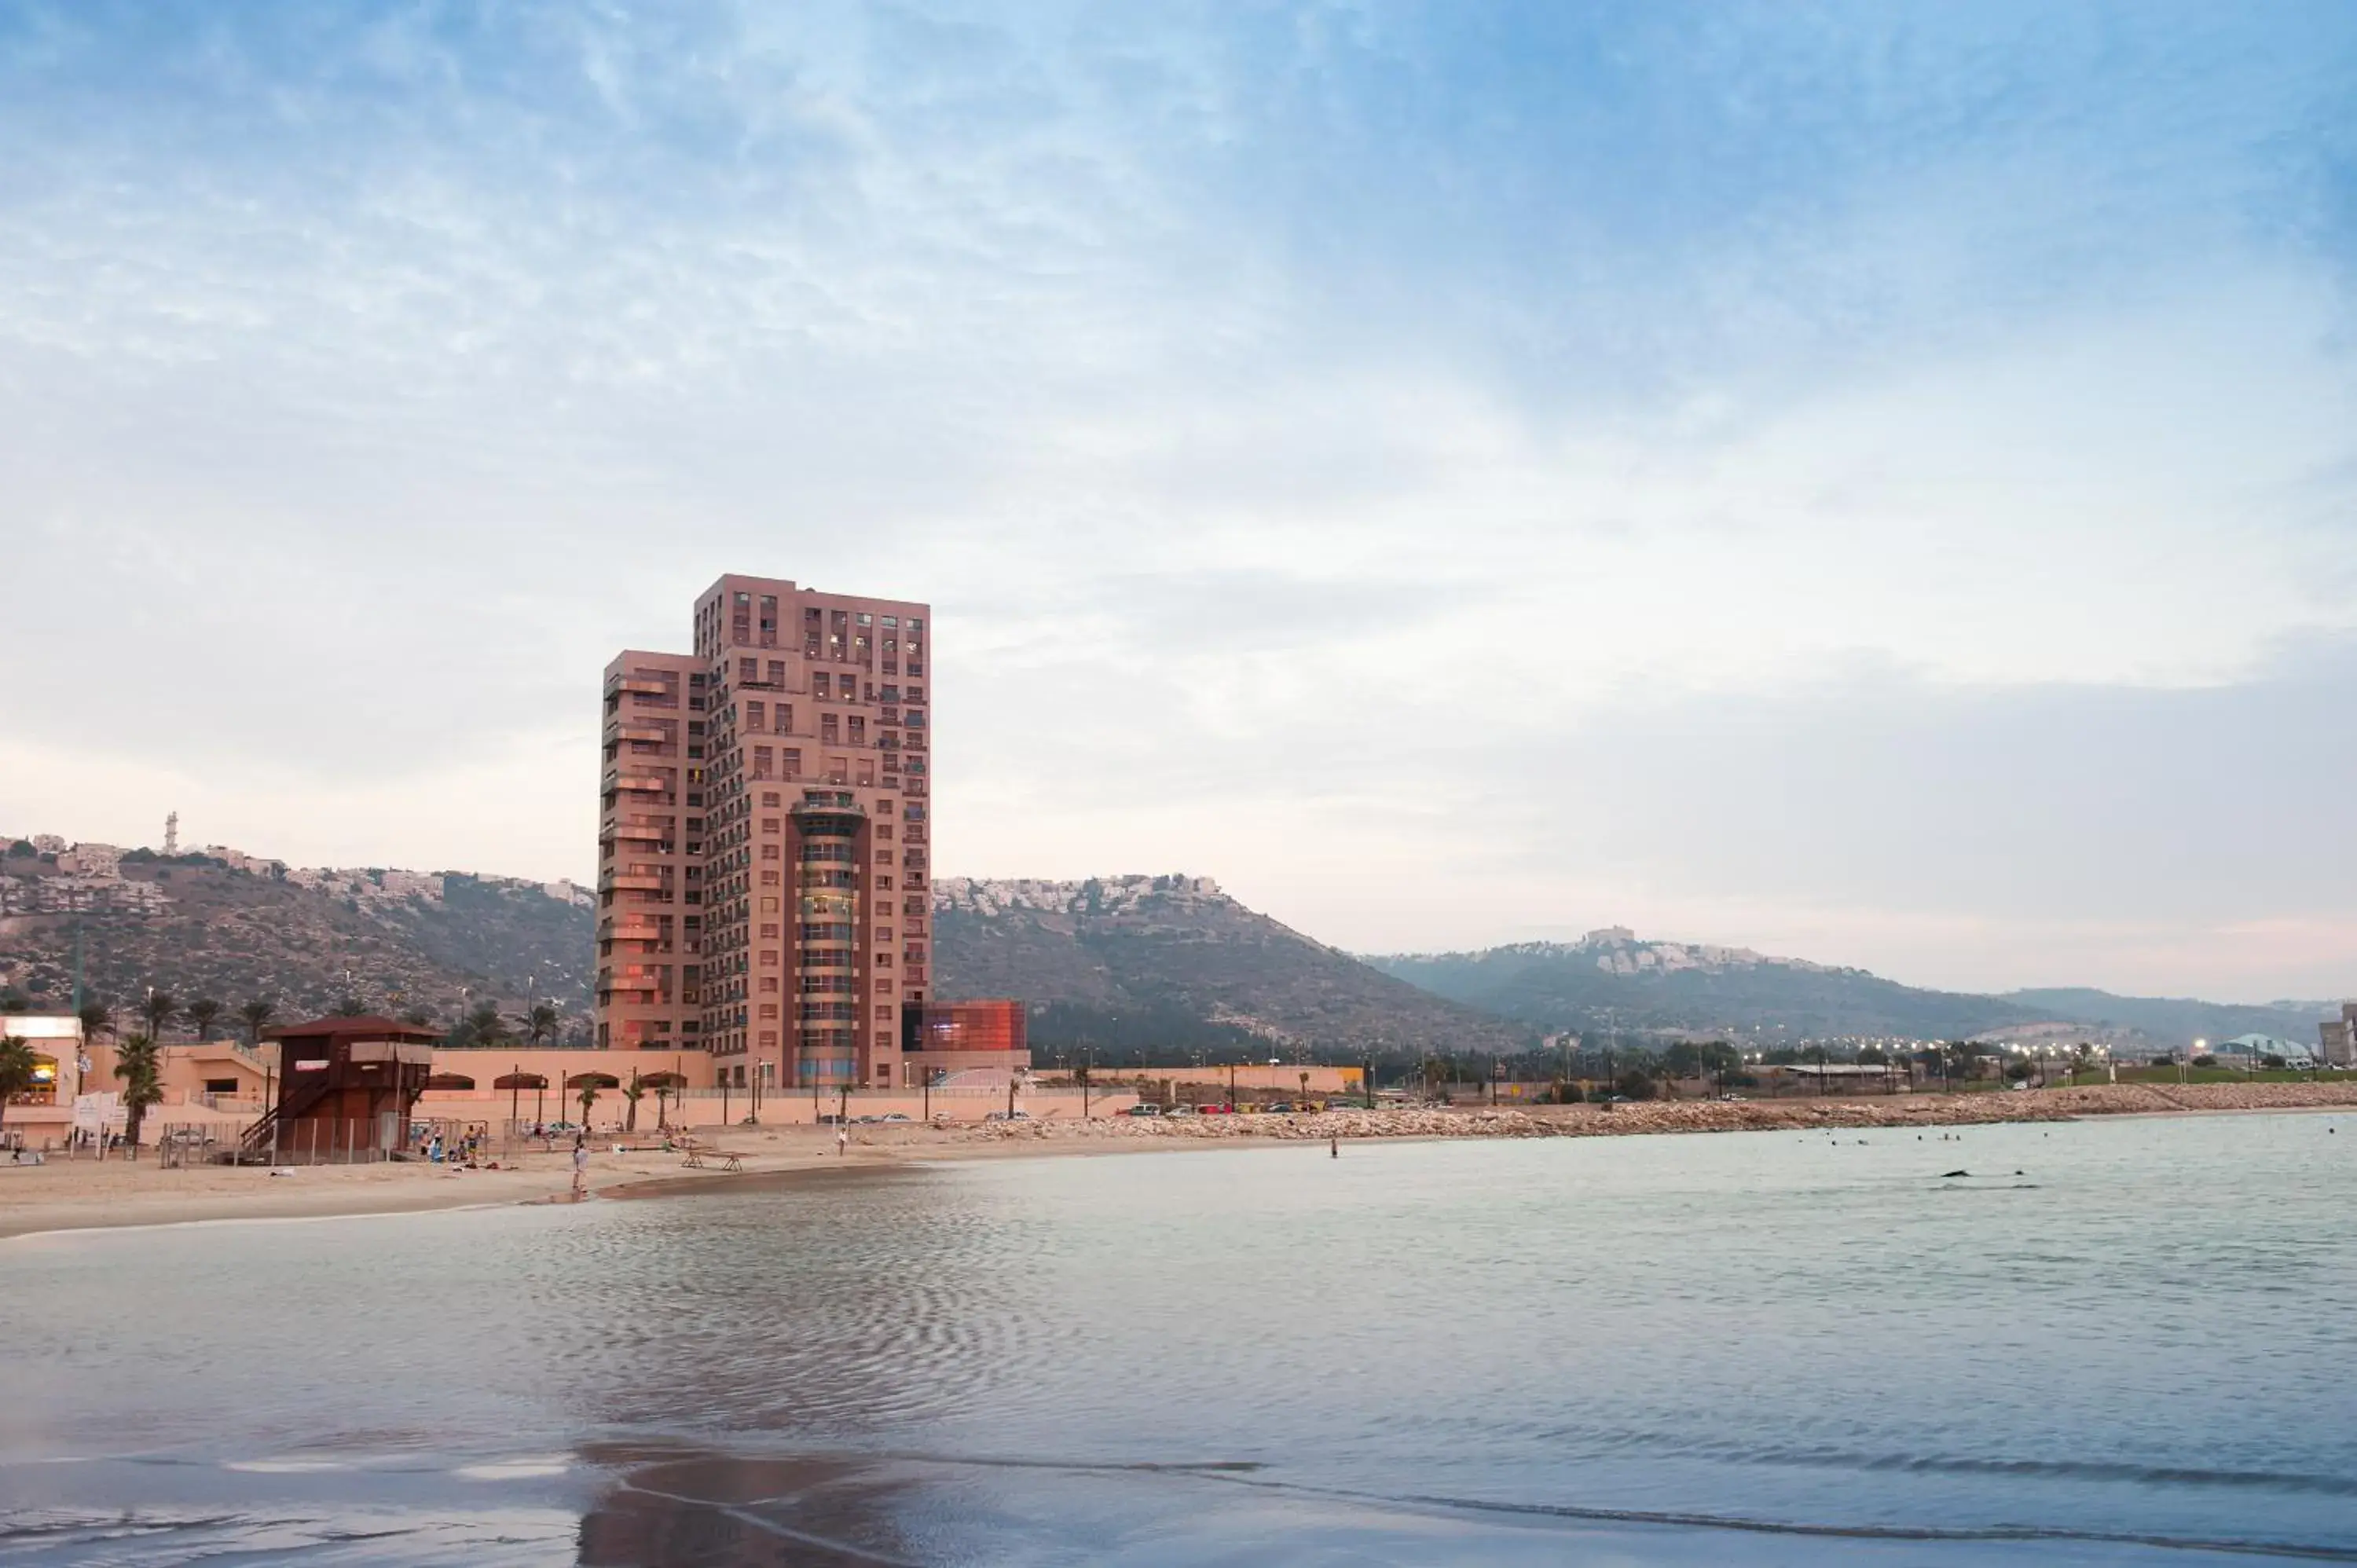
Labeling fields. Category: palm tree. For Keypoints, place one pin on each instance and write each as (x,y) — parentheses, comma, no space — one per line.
(158,1010)
(490,1028)
(97,1018)
(202,1013)
(541,1023)
(589,1099)
(633,1091)
(256,1014)
(138,1065)
(15,1069)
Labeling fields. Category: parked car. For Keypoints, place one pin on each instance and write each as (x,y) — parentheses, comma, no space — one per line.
(1009,1116)
(1279,1108)
(1144,1108)
(1215,1110)
(894,1116)
(1180,1110)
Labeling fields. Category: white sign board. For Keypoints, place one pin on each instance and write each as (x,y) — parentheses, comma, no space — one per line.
(93,1112)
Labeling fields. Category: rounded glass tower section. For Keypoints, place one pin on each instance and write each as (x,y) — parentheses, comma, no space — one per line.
(828,829)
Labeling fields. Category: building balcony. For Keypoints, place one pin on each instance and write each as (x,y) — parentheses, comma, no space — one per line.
(643,686)
(633,883)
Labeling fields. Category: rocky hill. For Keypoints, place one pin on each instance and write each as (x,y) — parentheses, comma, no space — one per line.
(1171,961)
(197,925)
(1615,975)
(1125,964)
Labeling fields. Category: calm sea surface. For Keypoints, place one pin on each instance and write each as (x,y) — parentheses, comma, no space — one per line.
(1758,1349)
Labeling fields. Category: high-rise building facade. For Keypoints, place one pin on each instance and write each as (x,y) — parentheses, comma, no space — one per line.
(649,852)
(805,885)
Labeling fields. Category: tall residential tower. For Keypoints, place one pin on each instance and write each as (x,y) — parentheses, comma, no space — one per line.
(787,931)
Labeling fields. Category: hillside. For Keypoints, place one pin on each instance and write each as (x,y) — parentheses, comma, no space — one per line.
(1172,961)
(1676,985)
(2174,1018)
(1636,983)
(196,927)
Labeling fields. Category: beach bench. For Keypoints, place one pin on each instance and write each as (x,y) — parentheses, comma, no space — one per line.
(729,1162)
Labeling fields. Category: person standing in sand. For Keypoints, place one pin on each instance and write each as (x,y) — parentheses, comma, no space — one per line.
(580,1166)
(842,1142)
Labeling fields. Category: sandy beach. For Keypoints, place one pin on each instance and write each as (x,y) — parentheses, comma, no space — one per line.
(69,1194)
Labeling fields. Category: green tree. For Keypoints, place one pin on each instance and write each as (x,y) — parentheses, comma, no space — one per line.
(632,1092)
(15,1069)
(14,1001)
(158,1010)
(588,1100)
(139,1065)
(541,1022)
(202,1013)
(351,1007)
(1635,1084)
(97,1018)
(487,1025)
(418,1017)
(256,1016)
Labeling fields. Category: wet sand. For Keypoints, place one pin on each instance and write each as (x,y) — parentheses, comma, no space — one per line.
(68,1194)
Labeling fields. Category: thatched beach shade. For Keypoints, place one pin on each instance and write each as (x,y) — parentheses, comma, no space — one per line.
(449,1080)
(665,1084)
(516,1083)
(592,1082)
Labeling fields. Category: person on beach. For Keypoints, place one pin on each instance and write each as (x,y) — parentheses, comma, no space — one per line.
(580,1165)
(842,1142)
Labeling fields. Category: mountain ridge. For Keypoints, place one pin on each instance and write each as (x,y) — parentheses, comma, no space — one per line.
(1169,961)
(1611,973)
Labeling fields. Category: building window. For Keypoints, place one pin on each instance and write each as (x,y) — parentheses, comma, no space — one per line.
(769,797)
(748,669)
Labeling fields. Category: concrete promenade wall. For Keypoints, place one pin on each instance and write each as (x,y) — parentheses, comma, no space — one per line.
(709,1108)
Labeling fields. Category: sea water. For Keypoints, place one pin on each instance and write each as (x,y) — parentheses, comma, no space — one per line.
(2111,1342)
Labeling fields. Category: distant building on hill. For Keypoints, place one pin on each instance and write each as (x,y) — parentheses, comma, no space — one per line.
(764,837)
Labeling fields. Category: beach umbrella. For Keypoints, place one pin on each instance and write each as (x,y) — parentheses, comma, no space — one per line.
(665,1085)
(591,1082)
(449,1080)
(516,1083)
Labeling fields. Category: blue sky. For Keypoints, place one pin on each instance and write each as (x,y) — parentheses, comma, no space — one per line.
(1874,482)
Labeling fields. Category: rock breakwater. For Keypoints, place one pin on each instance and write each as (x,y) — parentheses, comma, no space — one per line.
(1898,1110)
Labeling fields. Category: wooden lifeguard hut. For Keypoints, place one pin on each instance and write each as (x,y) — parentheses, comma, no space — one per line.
(346,1089)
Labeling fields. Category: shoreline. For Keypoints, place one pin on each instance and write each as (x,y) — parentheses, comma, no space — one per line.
(75,1197)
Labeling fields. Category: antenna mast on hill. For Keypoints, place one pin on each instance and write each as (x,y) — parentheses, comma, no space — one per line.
(172,833)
